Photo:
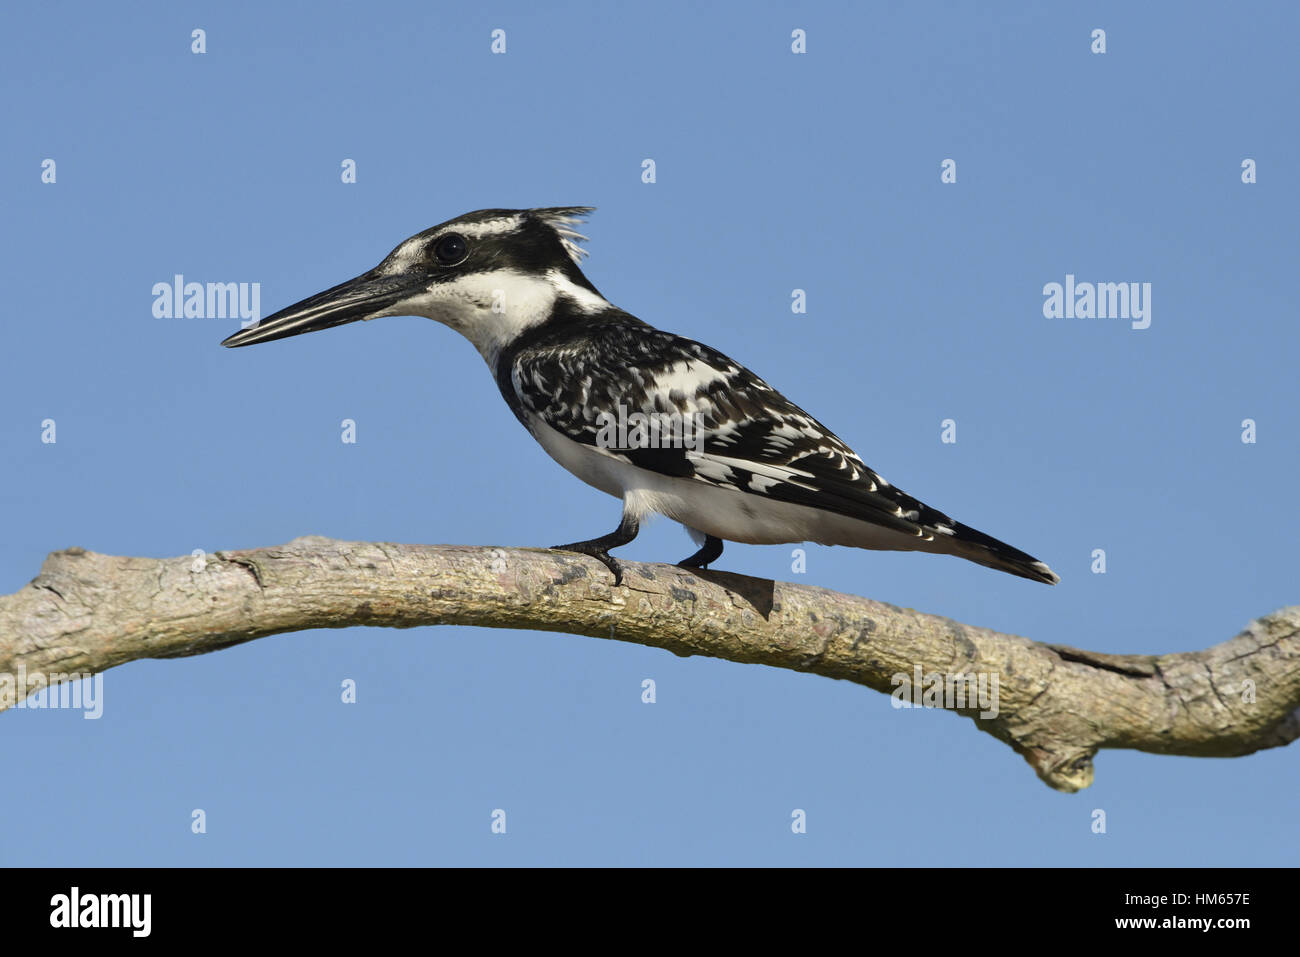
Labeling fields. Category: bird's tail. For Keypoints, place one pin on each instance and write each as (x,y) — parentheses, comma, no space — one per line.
(975,546)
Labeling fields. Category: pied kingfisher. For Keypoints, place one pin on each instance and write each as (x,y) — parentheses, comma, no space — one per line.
(744,463)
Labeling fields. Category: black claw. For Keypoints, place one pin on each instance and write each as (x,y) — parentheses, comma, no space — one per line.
(598,548)
(585,548)
(710,552)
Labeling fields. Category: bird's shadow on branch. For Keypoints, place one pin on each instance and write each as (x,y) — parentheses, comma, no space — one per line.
(759,592)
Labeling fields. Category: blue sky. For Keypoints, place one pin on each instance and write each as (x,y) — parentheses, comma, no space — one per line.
(775,171)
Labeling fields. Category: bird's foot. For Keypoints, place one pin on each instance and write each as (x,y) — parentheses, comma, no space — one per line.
(598,548)
(597,551)
(710,552)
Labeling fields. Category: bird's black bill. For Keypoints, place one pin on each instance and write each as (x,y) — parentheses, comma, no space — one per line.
(360,298)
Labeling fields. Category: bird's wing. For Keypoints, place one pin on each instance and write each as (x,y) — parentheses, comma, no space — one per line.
(733,430)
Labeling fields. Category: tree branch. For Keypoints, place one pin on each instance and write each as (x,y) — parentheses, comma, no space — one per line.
(1056,706)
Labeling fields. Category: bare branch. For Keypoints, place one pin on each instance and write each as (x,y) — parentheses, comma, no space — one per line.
(1056,706)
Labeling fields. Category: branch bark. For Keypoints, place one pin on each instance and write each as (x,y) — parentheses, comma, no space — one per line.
(1057,706)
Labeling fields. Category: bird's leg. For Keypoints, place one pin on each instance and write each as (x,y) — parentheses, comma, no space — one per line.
(599,547)
(710,552)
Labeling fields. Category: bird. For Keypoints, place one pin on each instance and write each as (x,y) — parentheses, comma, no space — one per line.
(666,424)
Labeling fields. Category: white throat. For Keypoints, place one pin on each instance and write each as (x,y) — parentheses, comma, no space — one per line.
(492,309)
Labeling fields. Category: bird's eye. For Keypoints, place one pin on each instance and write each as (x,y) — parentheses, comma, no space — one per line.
(450,249)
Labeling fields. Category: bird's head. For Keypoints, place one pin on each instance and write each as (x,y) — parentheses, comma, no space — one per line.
(489,275)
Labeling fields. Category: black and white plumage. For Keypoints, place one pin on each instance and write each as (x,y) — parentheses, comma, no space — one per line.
(757,469)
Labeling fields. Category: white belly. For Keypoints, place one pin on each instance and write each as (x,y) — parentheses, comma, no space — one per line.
(723,513)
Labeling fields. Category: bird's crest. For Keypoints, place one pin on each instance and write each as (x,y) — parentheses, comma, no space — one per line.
(562,219)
